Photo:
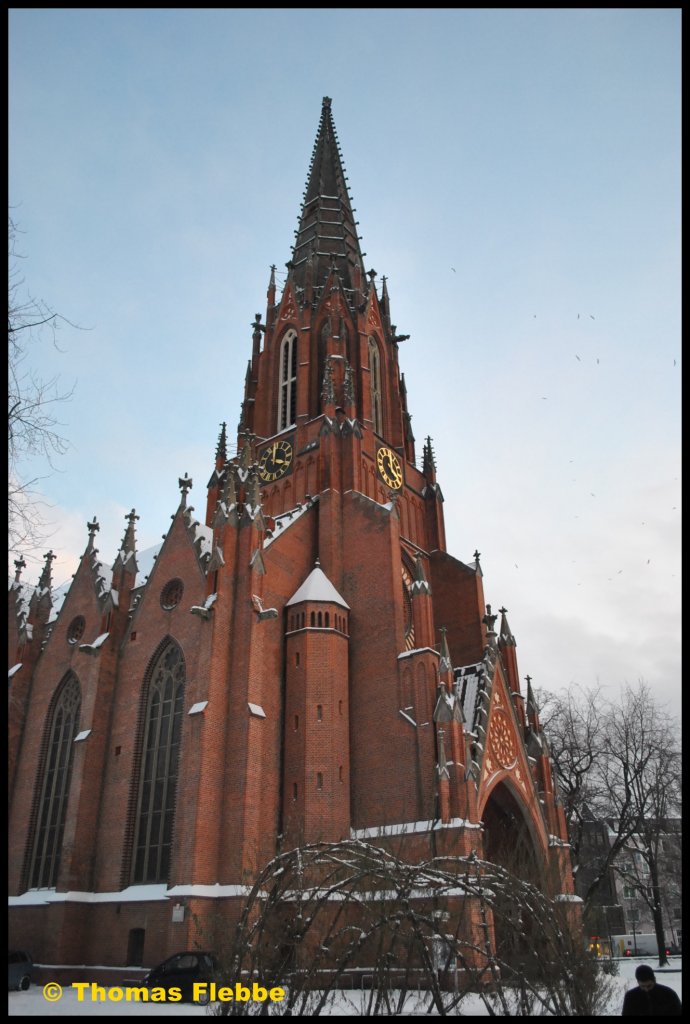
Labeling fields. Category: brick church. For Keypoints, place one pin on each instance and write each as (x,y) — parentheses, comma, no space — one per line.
(309,663)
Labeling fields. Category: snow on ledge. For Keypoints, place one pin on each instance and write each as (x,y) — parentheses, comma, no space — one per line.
(409,827)
(567,897)
(132,894)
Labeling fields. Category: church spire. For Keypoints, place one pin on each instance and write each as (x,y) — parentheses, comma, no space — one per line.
(327,227)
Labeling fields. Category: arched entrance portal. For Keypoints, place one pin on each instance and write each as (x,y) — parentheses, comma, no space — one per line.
(510,842)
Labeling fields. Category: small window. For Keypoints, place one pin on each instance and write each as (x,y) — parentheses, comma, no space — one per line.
(340,773)
(319,712)
(297,659)
(319,780)
(294,790)
(296,722)
(76,629)
(171,595)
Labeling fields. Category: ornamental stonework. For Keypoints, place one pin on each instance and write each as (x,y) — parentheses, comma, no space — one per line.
(501,740)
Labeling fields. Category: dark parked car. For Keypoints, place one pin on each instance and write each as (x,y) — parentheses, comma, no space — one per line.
(181,971)
(19,968)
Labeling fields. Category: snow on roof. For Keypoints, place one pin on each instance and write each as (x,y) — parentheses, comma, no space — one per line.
(284,521)
(58,595)
(468,677)
(317,587)
(145,561)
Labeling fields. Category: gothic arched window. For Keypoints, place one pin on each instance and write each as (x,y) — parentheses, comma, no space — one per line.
(155,809)
(54,781)
(407,580)
(375,385)
(287,392)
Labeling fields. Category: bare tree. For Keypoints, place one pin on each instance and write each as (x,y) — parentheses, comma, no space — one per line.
(329,917)
(644,772)
(620,761)
(33,427)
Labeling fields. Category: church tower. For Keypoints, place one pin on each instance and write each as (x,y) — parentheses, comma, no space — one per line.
(308,664)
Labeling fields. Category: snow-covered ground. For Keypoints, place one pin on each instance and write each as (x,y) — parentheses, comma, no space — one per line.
(34,1004)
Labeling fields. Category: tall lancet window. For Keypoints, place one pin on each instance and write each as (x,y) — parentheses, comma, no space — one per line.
(159,761)
(375,384)
(287,399)
(53,784)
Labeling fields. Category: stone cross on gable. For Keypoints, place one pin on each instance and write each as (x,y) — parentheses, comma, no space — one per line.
(93,528)
(184,484)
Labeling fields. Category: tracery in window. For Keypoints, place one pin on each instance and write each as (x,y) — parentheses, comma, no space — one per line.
(159,766)
(54,781)
(287,392)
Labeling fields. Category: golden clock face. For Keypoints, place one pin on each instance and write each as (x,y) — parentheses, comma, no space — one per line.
(390,468)
(275,461)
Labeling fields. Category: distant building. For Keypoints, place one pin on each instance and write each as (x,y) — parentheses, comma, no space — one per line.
(304,662)
(618,906)
(632,878)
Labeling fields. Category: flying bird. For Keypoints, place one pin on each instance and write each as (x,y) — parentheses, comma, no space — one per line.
(591,317)
(578,358)
(454,270)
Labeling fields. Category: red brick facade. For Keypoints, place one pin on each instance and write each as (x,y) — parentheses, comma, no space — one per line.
(321,699)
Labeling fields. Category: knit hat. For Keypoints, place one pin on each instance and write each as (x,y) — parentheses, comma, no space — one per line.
(644,973)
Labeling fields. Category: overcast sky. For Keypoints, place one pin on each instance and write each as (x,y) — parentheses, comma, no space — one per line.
(516,175)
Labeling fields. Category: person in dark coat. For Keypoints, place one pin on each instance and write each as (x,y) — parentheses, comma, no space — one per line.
(650,999)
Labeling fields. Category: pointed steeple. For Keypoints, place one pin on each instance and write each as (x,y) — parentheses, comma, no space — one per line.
(46,581)
(222,447)
(504,631)
(429,463)
(532,709)
(327,227)
(127,556)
